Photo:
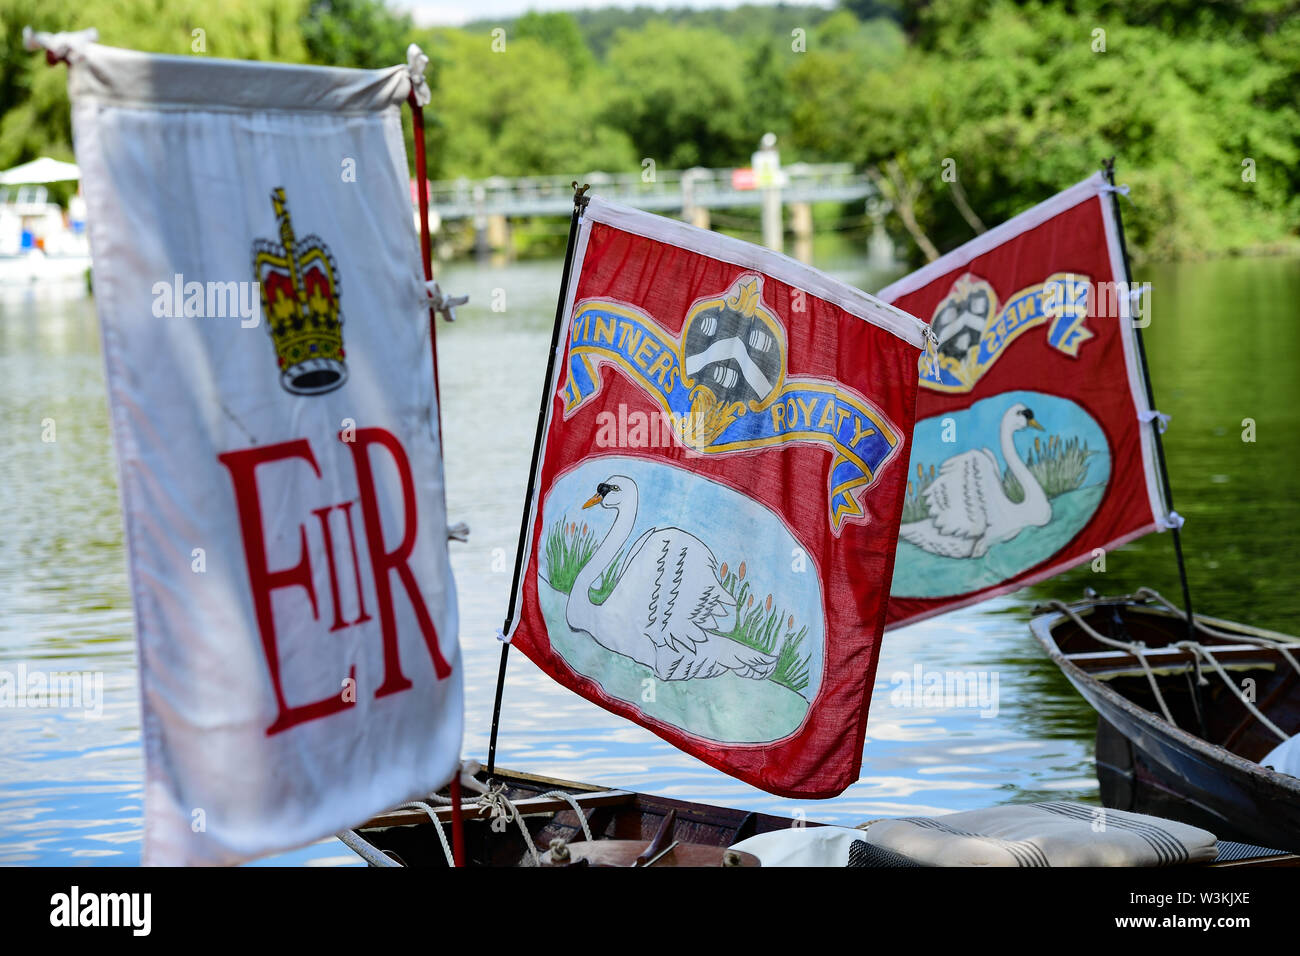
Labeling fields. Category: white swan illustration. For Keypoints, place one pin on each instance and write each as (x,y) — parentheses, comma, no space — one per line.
(969,510)
(667,606)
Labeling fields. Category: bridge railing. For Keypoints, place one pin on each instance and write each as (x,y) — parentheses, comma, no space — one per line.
(664,190)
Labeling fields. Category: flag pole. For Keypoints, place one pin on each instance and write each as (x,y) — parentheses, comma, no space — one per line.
(426,241)
(1108,167)
(426,261)
(580,200)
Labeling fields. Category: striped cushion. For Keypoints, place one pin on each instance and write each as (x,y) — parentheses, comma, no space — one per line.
(1044,834)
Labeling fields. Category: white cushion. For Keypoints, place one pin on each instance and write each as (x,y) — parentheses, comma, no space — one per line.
(1044,834)
(803,846)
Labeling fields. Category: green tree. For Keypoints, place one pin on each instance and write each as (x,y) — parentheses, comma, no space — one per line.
(357,33)
(560,32)
(680,95)
(515,113)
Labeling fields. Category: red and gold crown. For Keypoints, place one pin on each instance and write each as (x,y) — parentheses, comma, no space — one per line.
(300,300)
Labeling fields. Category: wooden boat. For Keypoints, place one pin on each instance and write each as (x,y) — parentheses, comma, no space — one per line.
(1175,737)
(622,828)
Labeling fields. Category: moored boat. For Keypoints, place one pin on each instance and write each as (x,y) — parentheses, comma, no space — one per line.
(1184,719)
(522,819)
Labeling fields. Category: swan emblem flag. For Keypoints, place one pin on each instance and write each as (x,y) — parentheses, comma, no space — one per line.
(718,484)
(1032,451)
(283,493)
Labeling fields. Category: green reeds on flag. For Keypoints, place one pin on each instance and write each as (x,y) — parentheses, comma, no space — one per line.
(762,626)
(914,506)
(568,549)
(1058,466)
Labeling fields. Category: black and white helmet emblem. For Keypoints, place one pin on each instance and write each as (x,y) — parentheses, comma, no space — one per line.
(732,349)
(960,320)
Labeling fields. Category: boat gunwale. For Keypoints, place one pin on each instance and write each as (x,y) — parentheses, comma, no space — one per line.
(709,813)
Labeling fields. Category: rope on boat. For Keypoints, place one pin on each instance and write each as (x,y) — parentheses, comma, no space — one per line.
(1281,646)
(1197,650)
(577,809)
(1200,649)
(496,801)
(375,857)
(1137,650)
(437,825)
(492,800)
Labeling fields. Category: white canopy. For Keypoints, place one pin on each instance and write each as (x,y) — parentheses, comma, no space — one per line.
(43,170)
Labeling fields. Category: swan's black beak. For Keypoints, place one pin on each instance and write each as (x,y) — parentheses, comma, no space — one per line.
(602,490)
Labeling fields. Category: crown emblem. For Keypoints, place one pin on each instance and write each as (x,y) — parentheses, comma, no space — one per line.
(300,299)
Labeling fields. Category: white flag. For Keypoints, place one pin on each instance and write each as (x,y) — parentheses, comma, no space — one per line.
(259,287)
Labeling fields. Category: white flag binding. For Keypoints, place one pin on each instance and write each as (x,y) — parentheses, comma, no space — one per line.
(259,289)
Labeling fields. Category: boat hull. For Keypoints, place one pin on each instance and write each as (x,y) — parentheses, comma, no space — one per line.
(1147,765)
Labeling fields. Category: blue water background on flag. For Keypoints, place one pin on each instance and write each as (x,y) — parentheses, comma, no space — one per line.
(920,573)
(774,579)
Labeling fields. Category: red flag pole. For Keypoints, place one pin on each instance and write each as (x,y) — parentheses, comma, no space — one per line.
(426,243)
(457,825)
(426,260)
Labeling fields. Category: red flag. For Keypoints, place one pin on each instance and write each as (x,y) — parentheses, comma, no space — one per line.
(1030,453)
(715,512)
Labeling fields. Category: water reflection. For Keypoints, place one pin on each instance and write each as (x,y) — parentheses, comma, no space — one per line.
(70,788)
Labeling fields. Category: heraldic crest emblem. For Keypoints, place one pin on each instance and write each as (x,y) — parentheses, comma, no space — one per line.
(299,282)
(725,386)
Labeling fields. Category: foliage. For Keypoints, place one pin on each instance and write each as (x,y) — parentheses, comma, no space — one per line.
(601,25)
(680,95)
(560,32)
(519,112)
(356,33)
(1016,98)
(35,119)
(1021,99)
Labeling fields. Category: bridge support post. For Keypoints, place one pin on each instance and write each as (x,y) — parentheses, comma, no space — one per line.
(767,172)
(801,221)
(498,233)
(481,247)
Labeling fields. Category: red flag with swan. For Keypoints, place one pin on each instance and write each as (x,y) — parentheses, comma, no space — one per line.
(1033,450)
(719,476)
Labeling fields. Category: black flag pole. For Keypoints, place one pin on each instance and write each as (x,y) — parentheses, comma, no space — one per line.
(1108,167)
(580,200)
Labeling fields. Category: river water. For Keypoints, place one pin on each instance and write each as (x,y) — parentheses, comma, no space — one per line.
(1222,352)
